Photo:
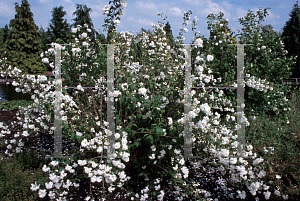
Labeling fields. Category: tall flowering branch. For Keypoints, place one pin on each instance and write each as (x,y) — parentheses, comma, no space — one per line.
(113,11)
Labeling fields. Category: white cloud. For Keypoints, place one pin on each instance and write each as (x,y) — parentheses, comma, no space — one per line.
(44,1)
(7,10)
(240,13)
(272,16)
(175,11)
(145,22)
(148,7)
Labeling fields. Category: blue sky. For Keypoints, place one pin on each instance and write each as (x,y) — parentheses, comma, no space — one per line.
(141,13)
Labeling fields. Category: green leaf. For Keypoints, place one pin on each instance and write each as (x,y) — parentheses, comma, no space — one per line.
(159,131)
(136,144)
(73,135)
(149,139)
(79,139)
(135,125)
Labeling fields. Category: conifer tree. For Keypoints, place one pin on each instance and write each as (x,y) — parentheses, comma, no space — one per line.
(59,27)
(45,39)
(266,30)
(291,38)
(169,34)
(3,35)
(82,18)
(22,47)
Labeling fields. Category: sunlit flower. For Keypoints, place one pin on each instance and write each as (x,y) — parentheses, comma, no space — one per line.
(210,57)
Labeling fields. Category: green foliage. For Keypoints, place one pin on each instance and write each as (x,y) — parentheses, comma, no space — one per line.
(291,38)
(17,174)
(264,59)
(45,39)
(114,13)
(11,105)
(22,47)
(59,27)
(283,159)
(3,35)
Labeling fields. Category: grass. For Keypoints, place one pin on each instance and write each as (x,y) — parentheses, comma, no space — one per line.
(17,173)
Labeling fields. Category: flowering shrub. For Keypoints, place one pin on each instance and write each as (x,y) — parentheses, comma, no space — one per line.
(150,123)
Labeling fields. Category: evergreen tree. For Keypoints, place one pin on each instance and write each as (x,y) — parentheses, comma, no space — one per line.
(3,35)
(45,39)
(266,30)
(82,14)
(22,47)
(168,30)
(59,27)
(291,38)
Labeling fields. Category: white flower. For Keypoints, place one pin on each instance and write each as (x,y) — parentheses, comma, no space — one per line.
(210,57)
(45,60)
(225,152)
(117,145)
(49,185)
(74,30)
(185,170)
(34,187)
(263,47)
(99,149)
(117,136)
(117,22)
(277,192)
(185,30)
(84,35)
(82,162)
(45,168)
(84,143)
(267,195)
(170,120)
(54,163)
(142,91)
(233,161)
(123,5)
(176,151)
(199,42)
(85,44)
(124,86)
(257,161)
(278,177)
(152,156)
(105,10)
(261,174)
(42,193)
(78,133)
(181,162)
(242,194)
(68,167)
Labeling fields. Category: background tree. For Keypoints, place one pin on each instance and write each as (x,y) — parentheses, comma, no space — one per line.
(265,59)
(22,47)
(266,30)
(291,38)
(59,27)
(82,18)
(3,35)
(45,39)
